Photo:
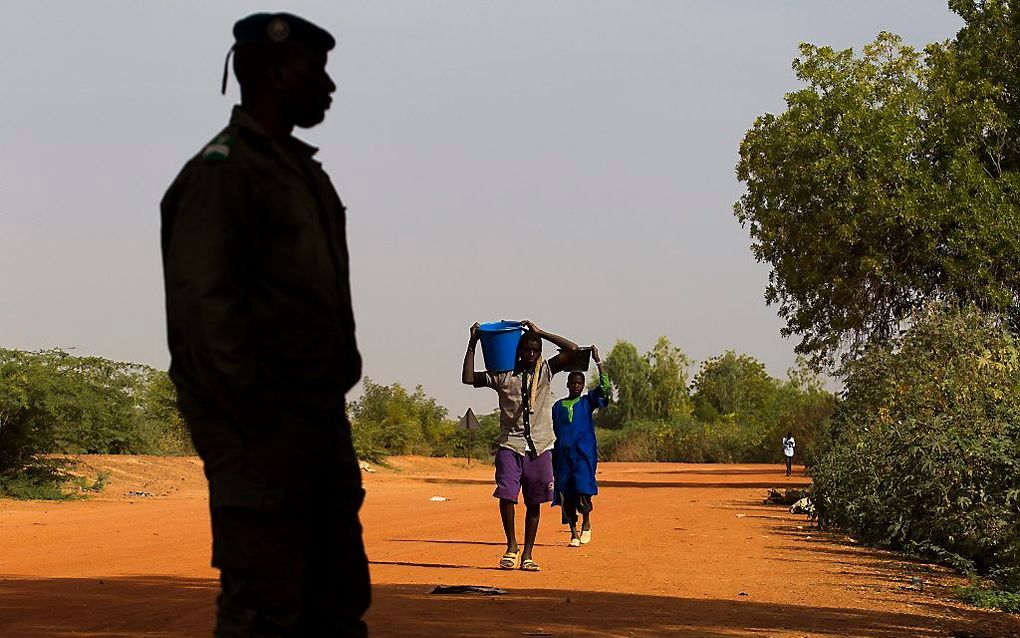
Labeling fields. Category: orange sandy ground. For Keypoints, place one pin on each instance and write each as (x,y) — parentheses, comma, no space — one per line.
(678,550)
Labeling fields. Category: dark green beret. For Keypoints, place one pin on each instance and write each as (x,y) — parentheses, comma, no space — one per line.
(281,28)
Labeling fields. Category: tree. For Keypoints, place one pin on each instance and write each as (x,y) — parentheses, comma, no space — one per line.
(55,402)
(389,420)
(985,50)
(649,386)
(668,396)
(731,384)
(160,416)
(887,183)
(629,373)
(25,385)
(926,444)
(804,408)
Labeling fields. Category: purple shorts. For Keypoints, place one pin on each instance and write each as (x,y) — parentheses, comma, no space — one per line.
(515,472)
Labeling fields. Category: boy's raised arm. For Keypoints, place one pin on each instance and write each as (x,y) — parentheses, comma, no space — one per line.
(467,377)
(560,342)
(565,345)
(603,377)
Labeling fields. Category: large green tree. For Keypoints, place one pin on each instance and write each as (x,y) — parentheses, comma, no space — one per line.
(54,402)
(387,419)
(668,395)
(648,386)
(731,384)
(985,50)
(889,181)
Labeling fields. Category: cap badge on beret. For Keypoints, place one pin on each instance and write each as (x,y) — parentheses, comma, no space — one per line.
(278,30)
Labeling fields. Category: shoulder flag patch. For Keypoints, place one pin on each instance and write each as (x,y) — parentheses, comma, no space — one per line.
(218,149)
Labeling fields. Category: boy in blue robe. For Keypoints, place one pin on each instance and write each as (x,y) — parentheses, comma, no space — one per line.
(575,454)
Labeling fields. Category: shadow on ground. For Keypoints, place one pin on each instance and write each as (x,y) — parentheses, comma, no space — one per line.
(779,471)
(731,484)
(457,542)
(179,607)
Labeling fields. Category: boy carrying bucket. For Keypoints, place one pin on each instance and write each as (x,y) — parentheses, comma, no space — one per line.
(575,455)
(524,458)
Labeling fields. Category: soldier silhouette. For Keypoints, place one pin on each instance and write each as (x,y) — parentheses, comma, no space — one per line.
(261,336)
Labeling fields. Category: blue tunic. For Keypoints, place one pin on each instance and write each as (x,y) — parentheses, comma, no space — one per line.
(575,454)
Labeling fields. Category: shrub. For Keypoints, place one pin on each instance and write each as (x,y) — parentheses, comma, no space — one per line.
(389,420)
(54,402)
(42,479)
(925,451)
(682,440)
(990,597)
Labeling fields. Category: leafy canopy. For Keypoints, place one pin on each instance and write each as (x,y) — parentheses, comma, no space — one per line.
(890,180)
(649,386)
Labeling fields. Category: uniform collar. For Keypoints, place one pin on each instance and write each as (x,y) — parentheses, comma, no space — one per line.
(242,120)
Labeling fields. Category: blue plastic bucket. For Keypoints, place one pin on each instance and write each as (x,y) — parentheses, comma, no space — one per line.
(499,344)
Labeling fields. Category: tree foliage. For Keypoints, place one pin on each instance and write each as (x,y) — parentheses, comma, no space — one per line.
(737,413)
(667,381)
(889,181)
(649,386)
(391,420)
(984,51)
(885,198)
(731,384)
(925,449)
(55,402)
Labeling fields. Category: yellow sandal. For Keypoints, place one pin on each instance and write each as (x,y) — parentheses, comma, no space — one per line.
(509,560)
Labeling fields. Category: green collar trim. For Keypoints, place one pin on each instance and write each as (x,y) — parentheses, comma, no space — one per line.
(569,405)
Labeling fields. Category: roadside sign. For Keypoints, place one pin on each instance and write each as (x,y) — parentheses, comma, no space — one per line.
(468,421)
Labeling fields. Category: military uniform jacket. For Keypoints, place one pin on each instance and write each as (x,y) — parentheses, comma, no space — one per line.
(257,284)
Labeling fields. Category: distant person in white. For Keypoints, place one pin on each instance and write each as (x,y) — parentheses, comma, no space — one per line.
(788,445)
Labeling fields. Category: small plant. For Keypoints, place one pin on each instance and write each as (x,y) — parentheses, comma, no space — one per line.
(44,482)
(96,486)
(989,597)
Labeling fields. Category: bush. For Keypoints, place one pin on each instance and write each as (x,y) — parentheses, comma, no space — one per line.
(480,444)
(798,405)
(686,440)
(389,420)
(43,479)
(925,452)
(54,402)
(990,597)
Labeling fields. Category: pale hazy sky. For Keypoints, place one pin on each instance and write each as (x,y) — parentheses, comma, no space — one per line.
(566,162)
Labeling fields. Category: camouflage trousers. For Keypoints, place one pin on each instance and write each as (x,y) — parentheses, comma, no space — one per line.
(284,506)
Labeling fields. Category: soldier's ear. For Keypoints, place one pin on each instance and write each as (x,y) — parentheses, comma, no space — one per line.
(277,76)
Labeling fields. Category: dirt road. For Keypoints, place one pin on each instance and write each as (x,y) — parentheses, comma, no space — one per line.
(677,550)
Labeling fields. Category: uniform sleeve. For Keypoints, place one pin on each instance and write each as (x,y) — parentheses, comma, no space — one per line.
(207,250)
(346,305)
(494,380)
(599,396)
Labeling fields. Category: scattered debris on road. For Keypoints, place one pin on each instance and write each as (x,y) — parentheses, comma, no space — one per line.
(784,497)
(804,506)
(478,590)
